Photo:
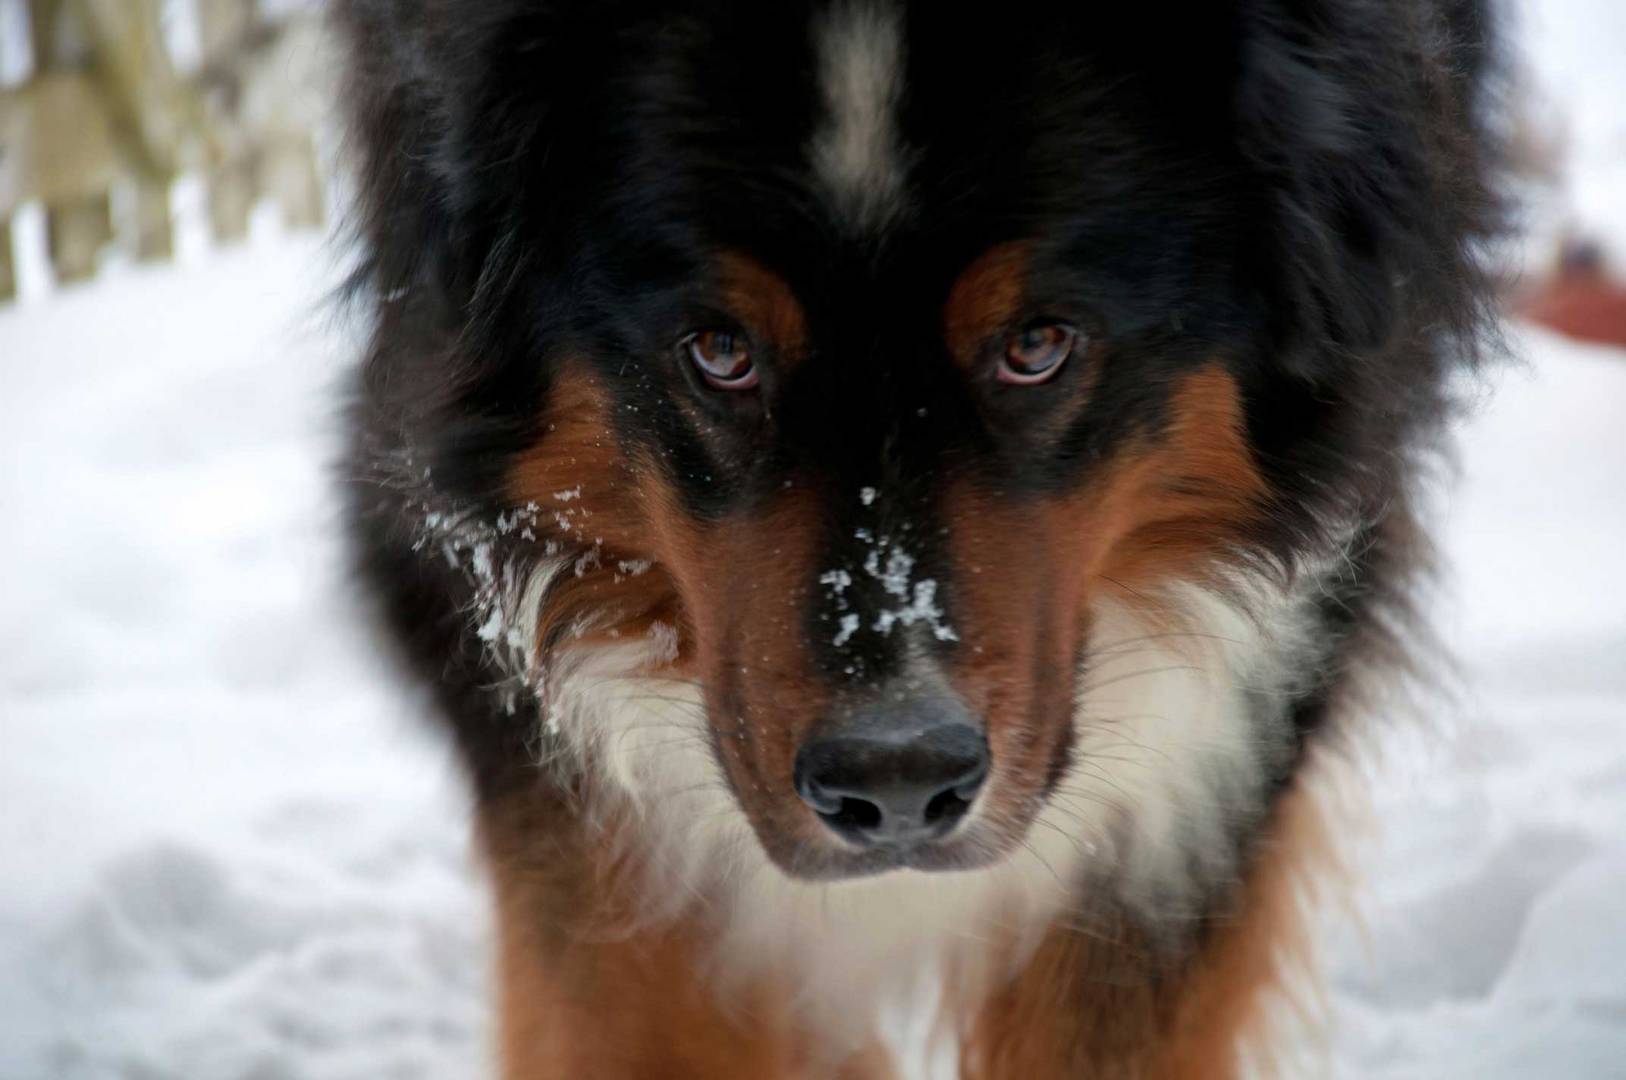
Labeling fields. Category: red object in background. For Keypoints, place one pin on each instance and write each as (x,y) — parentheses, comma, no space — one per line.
(1582,300)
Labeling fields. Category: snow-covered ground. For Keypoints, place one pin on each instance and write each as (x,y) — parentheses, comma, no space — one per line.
(1496,898)
(231,848)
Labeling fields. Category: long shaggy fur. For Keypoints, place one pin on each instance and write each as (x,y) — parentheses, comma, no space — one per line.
(1164,579)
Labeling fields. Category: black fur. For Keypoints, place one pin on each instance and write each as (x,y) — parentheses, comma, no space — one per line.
(1294,186)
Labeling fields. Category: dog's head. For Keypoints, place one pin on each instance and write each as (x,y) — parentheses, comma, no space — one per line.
(830,368)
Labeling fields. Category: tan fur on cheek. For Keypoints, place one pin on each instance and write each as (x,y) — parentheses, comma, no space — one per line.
(577,471)
(732,593)
(746,582)
(591,513)
(1164,508)
(1028,569)
(1176,507)
(1017,594)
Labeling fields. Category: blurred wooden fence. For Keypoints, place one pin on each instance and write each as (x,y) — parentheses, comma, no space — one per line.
(108,116)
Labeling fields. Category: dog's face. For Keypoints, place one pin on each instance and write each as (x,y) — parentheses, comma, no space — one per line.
(861,352)
(891,379)
(881,520)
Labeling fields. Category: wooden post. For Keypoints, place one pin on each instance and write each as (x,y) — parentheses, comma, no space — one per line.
(154,221)
(72,138)
(223,26)
(150,108)
(231,199)
(77,232)
(45,34)
(8,265)
(288,171)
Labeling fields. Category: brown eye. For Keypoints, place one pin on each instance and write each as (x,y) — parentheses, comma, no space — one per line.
(1036,353)
(723,358)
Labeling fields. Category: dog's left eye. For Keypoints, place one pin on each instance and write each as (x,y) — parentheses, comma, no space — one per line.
(722,358)
(1037,353)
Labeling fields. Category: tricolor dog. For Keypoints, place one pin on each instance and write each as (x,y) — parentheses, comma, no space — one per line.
(894,499)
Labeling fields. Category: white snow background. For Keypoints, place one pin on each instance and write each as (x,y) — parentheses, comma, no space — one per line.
(231,847)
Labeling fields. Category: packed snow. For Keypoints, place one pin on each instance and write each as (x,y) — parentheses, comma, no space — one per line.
(231,847)
(1496,930)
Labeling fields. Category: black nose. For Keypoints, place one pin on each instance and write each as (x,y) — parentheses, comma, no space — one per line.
(894,785)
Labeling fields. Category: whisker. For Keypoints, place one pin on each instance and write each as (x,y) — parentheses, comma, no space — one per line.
(1031,850)
(1092,687)
(1078,845)
(1118,645)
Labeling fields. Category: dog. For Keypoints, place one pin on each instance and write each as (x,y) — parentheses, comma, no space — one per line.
(894,502)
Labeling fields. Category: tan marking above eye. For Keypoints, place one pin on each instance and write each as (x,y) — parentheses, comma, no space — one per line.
(764,304)
(985,300)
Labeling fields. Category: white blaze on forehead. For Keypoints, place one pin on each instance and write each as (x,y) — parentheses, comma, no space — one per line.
(856,152)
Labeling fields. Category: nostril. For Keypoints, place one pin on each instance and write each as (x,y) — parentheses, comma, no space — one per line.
(970,781)
(951,804)
(840,811)
(814,794)
(854,816)
(945,807)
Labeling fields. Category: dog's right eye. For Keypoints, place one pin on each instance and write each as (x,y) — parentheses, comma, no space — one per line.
(723,359)
(1037,353)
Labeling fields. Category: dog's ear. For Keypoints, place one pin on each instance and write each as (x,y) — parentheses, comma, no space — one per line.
(430,109)
(391,94)
(1356,166)
(439,93)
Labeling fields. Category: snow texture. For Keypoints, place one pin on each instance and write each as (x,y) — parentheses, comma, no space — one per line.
(230,846)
